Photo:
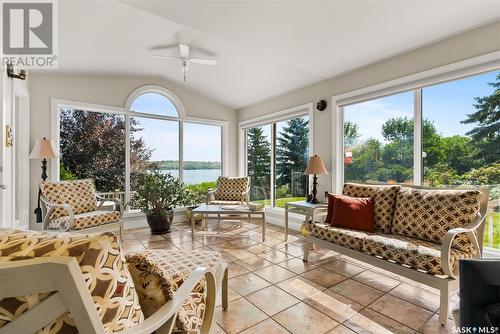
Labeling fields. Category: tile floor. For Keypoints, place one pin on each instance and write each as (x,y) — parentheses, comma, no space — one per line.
(272,291)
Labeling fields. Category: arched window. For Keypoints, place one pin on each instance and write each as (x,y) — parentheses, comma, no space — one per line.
(154,103)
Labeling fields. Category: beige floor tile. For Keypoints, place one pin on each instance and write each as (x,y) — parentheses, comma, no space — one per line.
(433,326)
(259,249)
(276,256)
(342,267)
(272,300)
(368,321)
(159,244)
(402,311)
(376,280)
(236,270)
(254,263)
(334,305)
(216,329)
(417,295)
(190,245)
(231,295)
(268,326)
(297,265)
(340,329)
(292,249)
(247,283)
(241,314)
(274,273)
(300,287)
(302,318)
(323,277)
(356,291)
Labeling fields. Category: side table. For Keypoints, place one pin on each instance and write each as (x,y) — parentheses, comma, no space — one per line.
(304,208)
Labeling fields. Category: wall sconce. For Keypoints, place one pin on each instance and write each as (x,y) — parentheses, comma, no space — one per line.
(10,73)
(321,105)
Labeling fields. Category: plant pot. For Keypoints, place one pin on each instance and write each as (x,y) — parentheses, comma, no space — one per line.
(160,224)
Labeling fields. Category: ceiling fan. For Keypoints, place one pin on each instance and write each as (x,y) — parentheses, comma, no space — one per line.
(185,60)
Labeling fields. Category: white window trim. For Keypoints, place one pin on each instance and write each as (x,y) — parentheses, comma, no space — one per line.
(57,104)
(306,109)
(469,67)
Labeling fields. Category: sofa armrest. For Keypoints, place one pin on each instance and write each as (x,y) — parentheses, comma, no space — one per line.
(210,195)
(448,240)
(53,206)
(164,316)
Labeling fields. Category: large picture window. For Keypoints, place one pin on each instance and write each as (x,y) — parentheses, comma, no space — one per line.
(458,137)
(114,147)
(277,155)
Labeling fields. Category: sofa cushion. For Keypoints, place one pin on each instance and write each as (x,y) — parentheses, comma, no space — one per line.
(86,220)
(415,253)
(427,214)
(79,194)
(159,273)
(385,202)
(231,188)
(353,212)
(103,267)
(341,236)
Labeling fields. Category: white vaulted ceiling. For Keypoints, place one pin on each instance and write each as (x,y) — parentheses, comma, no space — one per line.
(262,48)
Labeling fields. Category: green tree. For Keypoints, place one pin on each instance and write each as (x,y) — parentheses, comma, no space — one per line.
(292,153)
(92,145)
(259,162)
(351,134)
(486,134)
(366,160)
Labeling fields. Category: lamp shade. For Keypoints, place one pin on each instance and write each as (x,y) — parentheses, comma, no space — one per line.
(43,149)
(315,166)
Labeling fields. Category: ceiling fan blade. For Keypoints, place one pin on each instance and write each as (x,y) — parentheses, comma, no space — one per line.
(166,57)
(203,61)
(184,50)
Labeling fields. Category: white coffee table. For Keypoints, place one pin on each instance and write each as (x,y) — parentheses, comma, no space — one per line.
(232,212)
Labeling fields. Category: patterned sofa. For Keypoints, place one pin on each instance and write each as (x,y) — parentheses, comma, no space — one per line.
(230,191)
(75,206)
(419,233)
(68,283)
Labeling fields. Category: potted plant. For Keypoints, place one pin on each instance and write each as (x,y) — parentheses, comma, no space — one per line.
(191,201)
(157,195)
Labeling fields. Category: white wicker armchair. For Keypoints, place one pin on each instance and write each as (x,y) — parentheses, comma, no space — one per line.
(74,206)
(230,191)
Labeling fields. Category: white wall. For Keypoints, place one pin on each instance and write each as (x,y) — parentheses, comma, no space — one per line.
(470,44)
(113,91)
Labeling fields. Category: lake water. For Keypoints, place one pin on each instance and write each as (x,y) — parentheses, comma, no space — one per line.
(193,176)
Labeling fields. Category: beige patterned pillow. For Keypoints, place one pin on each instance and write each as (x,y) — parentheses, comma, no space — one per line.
(159,273)
(385,201)
(231,188)
(428,214)
(103,267)
(79,194)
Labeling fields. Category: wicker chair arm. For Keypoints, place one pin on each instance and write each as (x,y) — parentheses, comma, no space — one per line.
(448,240)
(211,195)
(117,207)
(165,315)
(51,207)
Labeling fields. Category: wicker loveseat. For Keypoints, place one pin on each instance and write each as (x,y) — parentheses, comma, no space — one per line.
(230,191)
(419,233)
(69,283)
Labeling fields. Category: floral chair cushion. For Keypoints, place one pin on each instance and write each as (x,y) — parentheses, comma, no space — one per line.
(103,267)
(79,194)
(385,201)
(428,214)
(86,220)
(159,273)
(231,188)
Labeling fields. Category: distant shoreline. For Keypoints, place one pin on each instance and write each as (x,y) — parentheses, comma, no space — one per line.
(188,165)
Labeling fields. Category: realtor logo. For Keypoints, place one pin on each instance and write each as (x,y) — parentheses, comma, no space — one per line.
(29,33)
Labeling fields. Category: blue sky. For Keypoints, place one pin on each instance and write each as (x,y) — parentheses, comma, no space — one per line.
(445,104)
(201,142)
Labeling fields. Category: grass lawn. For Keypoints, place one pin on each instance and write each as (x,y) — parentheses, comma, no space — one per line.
(496,231)
(280,202)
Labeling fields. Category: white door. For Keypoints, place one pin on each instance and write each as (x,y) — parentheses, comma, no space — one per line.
(20,153)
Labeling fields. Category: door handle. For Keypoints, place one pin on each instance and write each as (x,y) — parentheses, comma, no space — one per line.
(3,186)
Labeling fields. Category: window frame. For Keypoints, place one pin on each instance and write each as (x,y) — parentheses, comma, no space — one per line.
(58,104)
(271,119)
(415,83)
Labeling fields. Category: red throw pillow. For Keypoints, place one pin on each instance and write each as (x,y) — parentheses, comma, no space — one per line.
(329,215)
(353,212)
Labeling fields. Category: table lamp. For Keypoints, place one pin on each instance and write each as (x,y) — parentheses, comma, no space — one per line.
(43,149)
(315,166)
